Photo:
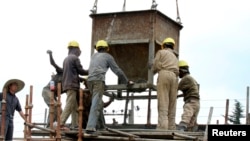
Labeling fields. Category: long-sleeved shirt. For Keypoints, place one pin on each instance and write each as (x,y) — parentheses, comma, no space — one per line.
(165,60)
(99,65)
(12,104)
(72,68)
(189,87)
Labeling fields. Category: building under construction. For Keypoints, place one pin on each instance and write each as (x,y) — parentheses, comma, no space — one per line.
(133,47)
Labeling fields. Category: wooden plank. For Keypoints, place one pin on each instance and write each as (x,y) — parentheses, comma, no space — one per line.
(122,133)
(208,122)
(184,136)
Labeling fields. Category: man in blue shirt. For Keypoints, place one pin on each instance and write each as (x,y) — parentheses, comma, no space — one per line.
(12,86)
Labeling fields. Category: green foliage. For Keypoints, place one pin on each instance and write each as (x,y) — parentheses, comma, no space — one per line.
(236,114)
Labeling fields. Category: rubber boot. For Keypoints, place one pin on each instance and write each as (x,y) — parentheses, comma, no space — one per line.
(182,126)
(195,128)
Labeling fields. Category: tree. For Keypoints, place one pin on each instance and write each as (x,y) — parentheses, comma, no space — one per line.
(236,114)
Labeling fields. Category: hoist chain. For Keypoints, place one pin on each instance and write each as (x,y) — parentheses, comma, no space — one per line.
(124,6)
(178,19)
(154,5)
(94,9)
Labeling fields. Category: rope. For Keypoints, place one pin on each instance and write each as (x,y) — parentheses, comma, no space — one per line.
(94,9)
(178,19)
(154,5)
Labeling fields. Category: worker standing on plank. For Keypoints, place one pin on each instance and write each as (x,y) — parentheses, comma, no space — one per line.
(72,68)
(166,65)
(191,97)
(46,92)
(100,62)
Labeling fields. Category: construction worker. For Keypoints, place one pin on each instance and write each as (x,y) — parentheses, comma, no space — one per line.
(99,65)
(87,97)
(72,68)
(166,65)
(12,86)
(46,92)
(191,97)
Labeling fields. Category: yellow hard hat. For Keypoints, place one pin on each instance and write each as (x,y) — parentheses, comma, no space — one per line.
(101,44)
(183,63)
(73,44)
(169,41)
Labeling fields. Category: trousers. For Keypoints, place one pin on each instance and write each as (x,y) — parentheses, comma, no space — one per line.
(167,85)
(71,108)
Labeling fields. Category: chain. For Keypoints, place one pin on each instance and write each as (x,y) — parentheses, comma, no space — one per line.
(124,6)
(94,9)
(178,19)
(154,5)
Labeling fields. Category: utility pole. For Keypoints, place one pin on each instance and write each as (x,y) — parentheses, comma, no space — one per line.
(247,107)
(226,114)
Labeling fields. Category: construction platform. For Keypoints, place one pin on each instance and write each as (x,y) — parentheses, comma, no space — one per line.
(120,134)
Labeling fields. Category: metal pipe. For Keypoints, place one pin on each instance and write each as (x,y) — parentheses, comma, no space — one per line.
(149,109)
(247,106)
(208,122)
(45,117)
(126,108)
(226,112)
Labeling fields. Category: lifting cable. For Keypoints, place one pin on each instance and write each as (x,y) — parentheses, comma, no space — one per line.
(124,6)
(154,5)
(94,9)
(178,19)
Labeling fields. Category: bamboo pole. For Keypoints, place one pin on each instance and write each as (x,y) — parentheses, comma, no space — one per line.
(122,133)
(39,127)
(42,139)
(115,138)
(30,112)
(51,111)
(184,136)
(3,114)
(26,116)
(80,109)
(58,130)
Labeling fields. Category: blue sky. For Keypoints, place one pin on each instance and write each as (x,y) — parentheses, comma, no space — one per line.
(214,41)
